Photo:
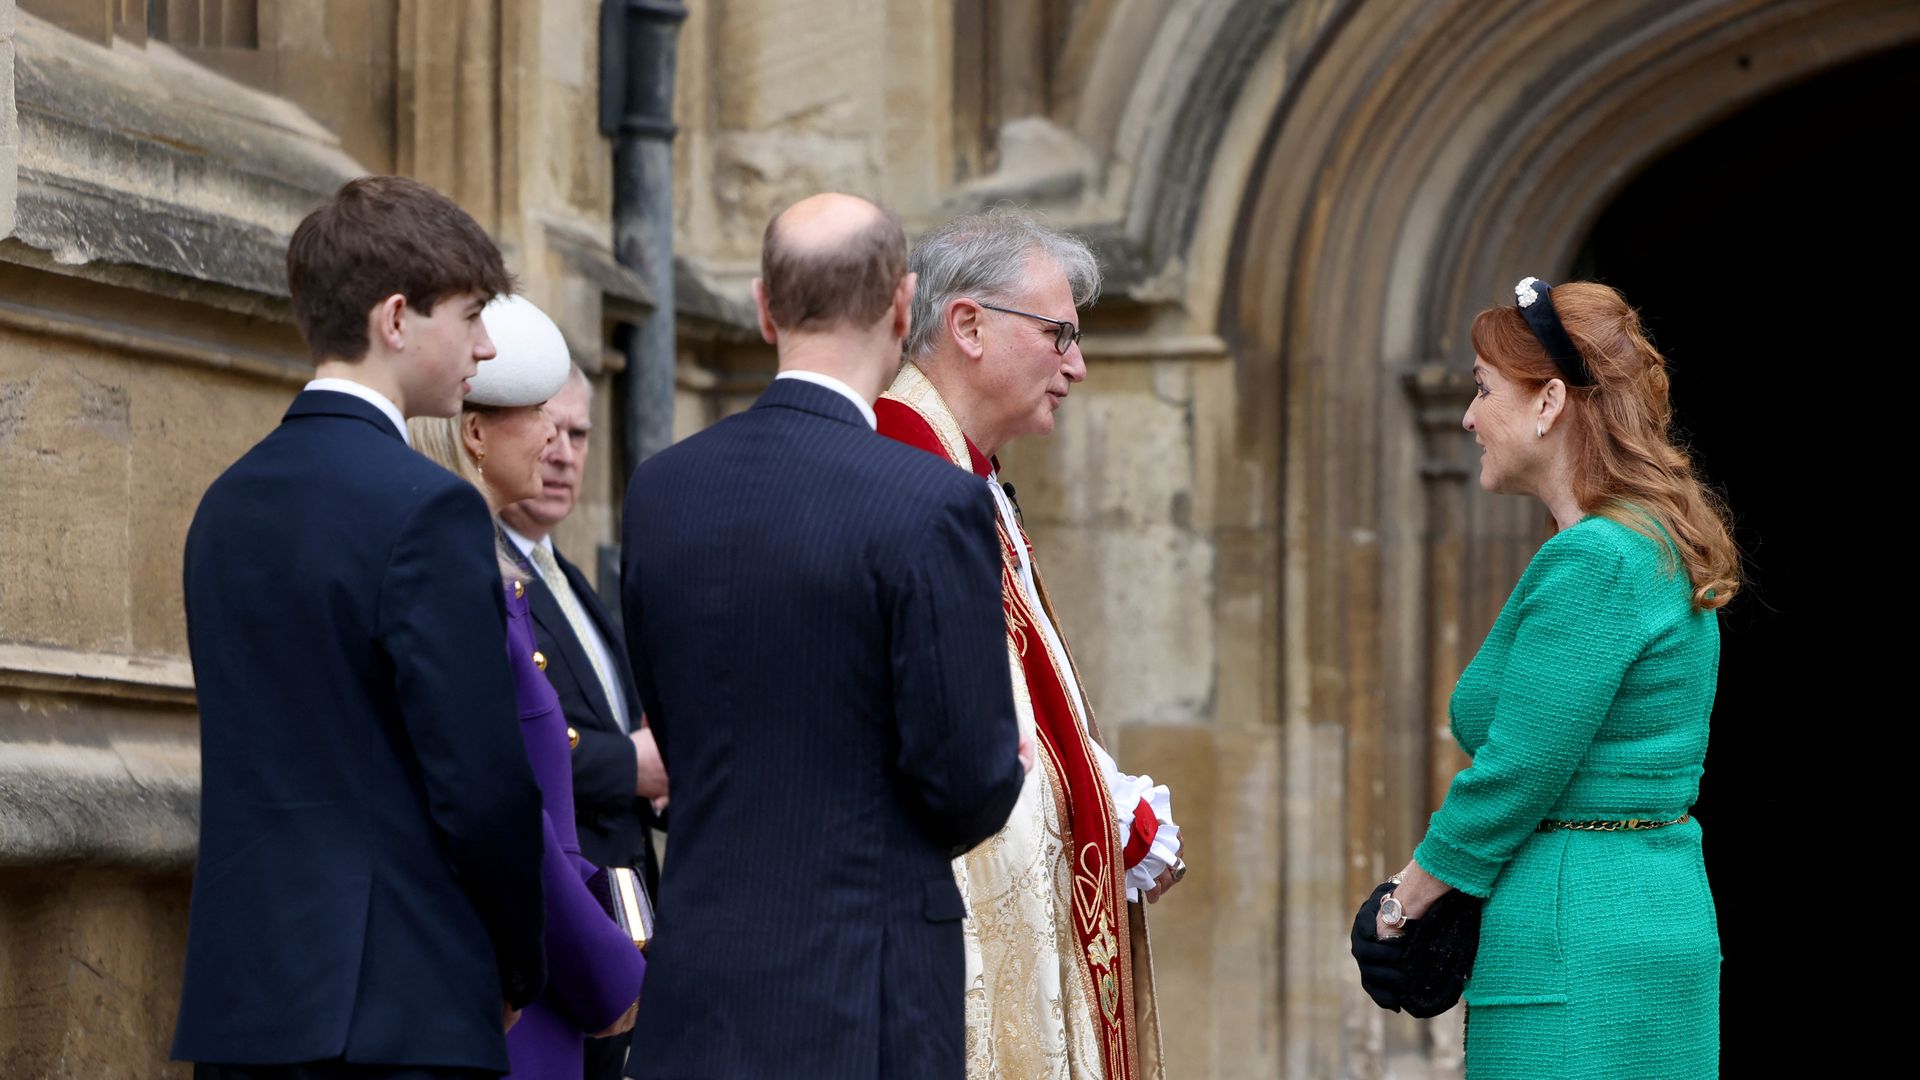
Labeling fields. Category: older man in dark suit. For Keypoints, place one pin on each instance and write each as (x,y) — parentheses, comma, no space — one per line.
(814,617)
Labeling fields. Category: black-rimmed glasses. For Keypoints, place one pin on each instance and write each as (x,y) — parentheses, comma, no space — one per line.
(1065,334)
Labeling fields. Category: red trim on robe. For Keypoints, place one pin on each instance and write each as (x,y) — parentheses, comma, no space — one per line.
(900,423)
(1140,838)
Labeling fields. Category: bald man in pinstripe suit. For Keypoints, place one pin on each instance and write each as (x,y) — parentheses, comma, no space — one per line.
(813,614)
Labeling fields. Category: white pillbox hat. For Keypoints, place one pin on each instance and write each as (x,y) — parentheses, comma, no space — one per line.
(530,362)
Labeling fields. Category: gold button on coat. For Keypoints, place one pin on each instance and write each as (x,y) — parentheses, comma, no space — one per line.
(539,659)
(573,739)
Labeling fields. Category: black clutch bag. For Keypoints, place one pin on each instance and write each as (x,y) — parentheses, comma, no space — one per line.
(622,892)
(1425,969)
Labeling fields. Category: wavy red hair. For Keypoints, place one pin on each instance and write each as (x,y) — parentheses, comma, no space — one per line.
(1626,466)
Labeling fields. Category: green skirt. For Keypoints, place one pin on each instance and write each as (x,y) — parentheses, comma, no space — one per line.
(1599,957)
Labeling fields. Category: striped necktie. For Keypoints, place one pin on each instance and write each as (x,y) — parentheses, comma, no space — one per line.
(549,568)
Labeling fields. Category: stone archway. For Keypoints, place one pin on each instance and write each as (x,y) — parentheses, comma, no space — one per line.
(1418,160)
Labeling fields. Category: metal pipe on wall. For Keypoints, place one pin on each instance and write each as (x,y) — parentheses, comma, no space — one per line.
(639,40)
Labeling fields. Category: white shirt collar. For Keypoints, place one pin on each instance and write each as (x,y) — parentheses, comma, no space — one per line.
(524,544)
(837,387)
(367,394)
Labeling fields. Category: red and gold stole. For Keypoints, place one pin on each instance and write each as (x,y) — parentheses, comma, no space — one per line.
(913,412)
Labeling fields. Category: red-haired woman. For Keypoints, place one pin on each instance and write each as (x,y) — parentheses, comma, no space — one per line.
(1586,714)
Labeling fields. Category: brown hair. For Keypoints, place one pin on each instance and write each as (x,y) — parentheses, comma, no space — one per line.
(377,236)
(851,282)
(1627,466)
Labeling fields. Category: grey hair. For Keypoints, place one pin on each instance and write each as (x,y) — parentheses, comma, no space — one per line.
(984,256)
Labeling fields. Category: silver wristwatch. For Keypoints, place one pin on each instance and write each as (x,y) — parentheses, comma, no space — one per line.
(1391,913)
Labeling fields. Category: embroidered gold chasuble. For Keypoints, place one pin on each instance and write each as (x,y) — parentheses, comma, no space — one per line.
(1059,974)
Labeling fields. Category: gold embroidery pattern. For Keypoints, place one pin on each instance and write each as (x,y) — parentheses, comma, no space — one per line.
(1019,618)
(1020,995)
(1092,885)
(1092,904)
(913,389)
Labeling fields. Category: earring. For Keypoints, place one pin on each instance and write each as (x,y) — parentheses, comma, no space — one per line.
(480,461)
(1540,431)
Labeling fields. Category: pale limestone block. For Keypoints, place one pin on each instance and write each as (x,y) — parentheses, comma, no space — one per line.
(569,42)
(65,477)
(809,68)
(1172,381)
(9,187)
(93,960)
(1227,482)
(305,24)
(1246,615)
(188,425)
(1135,604)
(917,103)
(1119,453)
(1216,935)
(575,162)
(758,175)
(9,119)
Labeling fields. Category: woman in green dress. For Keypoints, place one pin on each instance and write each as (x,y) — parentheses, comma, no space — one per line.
(1586,714)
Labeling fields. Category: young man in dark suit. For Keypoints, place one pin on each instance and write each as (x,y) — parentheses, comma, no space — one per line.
(367,901)
(814,618)
(618,781)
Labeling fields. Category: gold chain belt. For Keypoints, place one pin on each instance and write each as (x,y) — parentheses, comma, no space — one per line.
(1629,825)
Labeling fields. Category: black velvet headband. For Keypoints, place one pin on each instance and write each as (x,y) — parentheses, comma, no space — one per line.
(1535,298)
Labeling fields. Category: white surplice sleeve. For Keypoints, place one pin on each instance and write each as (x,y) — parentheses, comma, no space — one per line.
(1128,791)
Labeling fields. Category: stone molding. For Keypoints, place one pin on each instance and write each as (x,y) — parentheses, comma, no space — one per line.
(136,155)
(158,679)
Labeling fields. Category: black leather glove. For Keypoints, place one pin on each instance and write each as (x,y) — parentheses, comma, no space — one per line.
(1382,972)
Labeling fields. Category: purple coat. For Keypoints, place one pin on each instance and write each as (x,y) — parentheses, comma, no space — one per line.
(593,970)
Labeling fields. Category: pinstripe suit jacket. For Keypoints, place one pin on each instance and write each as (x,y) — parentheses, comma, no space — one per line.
(813,614)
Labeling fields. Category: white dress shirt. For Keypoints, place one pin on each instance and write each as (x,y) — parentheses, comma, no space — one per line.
(838,387)
(593,640)
(367,394)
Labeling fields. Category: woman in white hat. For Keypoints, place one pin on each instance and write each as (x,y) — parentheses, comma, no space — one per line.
(593,969)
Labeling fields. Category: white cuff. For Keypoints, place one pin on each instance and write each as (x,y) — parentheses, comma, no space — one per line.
(1166,840)
(1127,793)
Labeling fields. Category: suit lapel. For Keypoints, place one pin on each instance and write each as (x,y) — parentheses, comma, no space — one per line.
(616,642)
(552,621)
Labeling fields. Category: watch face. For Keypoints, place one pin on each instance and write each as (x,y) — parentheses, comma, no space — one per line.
(1390,912)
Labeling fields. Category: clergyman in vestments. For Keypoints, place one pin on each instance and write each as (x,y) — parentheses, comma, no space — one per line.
(1059,977)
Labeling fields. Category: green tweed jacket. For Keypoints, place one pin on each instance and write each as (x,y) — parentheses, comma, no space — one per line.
(1599,954)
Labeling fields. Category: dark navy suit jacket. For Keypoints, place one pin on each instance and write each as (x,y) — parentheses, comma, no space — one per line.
(368,884)
(815,621)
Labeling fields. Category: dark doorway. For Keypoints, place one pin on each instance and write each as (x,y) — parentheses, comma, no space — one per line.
(1769,257)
